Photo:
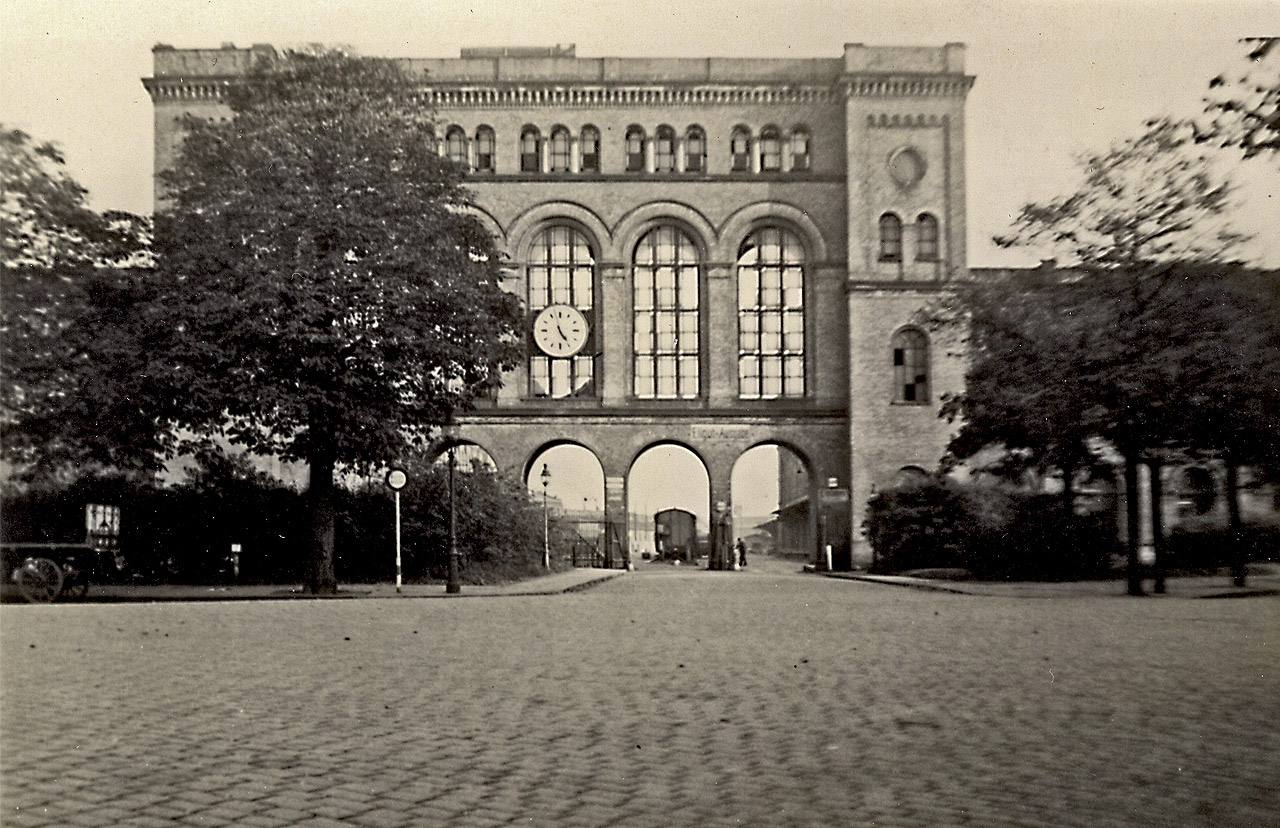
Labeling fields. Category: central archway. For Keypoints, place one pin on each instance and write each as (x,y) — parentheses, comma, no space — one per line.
(669,505)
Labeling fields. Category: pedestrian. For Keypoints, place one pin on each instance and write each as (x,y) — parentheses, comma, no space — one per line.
(741,549)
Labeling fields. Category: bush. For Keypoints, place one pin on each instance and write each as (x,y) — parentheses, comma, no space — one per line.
(1207,550)
(183,533)
(995,533)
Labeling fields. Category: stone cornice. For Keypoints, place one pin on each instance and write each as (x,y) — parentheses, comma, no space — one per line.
(569,95)
(907,86)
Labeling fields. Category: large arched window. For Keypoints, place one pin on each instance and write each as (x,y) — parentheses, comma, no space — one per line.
(558,150)
(926,238)
(910,366)
(562,272)
(484,149)
(635,149)
(665,271)
(695,150)
(455,145)
(589,150)
(771,315)
(890,238)
(664,150)
(740,149)
(770,149)
(799,149)
(530,150)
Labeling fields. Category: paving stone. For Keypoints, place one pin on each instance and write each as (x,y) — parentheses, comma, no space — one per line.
(760,698)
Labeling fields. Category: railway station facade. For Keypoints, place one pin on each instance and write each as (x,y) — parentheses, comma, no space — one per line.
(713,253)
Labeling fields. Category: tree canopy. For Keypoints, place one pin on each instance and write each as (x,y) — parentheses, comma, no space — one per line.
(1148,338)
(1244,106)
(332,296)
(72,321)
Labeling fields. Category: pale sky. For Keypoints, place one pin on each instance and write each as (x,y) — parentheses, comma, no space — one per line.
(1054,78)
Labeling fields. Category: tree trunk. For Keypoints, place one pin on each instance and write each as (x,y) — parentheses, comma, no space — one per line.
(1157,527)
(1132,530)
(320,579)
(1068,493)
(1238,562)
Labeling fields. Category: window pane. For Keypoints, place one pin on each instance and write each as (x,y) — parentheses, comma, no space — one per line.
(644,334)
(688,377)
(689,332)
(583,287)
(538,376)
(748,287)
(666,331)
(666,370)
(644,377)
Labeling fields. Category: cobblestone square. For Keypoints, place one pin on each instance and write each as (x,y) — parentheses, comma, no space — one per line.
(756,698)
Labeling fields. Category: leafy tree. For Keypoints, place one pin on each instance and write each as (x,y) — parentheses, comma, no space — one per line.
(1245,107)
(72,322)
(332,297)
(1098,350)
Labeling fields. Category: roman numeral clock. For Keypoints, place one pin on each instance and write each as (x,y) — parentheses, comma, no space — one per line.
(560,330)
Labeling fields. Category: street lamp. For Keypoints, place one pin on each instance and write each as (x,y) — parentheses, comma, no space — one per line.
(454,586)
(546,526)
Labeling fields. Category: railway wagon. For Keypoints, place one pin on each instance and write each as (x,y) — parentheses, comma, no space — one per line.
(675,535)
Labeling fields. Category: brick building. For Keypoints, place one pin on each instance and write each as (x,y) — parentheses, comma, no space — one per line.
(716,253)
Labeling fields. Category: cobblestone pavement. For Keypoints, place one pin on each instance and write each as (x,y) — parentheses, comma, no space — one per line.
(755,698)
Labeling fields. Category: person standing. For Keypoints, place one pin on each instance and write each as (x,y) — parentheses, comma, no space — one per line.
(741,549)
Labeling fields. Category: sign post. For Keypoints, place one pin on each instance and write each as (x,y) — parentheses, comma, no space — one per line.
(396,480)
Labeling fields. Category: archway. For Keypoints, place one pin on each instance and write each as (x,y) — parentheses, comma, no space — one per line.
(567,480)
(468,457)
(668,505)
(770,488)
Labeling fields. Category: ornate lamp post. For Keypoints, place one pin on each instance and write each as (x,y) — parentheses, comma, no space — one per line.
(454,585)
(546,526)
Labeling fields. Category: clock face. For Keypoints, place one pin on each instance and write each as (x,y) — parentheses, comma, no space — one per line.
(560,330)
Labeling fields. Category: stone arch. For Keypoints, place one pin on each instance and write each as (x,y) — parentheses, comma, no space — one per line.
(739,225)
(491,224)
(527,224)
(645,501)
(632,226)
(527,466)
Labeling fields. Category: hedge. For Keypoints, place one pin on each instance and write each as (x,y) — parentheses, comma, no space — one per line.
(993,532)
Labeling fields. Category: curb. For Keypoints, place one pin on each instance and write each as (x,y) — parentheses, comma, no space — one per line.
(1024,589)
(197,594)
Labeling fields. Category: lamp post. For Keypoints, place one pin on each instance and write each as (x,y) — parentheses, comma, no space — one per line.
(546,525)
(454,586)
(396,480)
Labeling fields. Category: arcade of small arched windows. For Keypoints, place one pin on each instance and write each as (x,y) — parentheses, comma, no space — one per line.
(667,274)
(662,151)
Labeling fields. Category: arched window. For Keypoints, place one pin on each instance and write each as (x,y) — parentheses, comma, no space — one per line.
(911,366)
(664,150)
(589,149)
(771,315)
(695,150)
(558,150)
(455,145)
(562,272)
(799,149)
(740,149)
(665,271)
(635,149)
(770,150)
(890,238)
(484,149)
(530,150)
(926,238)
